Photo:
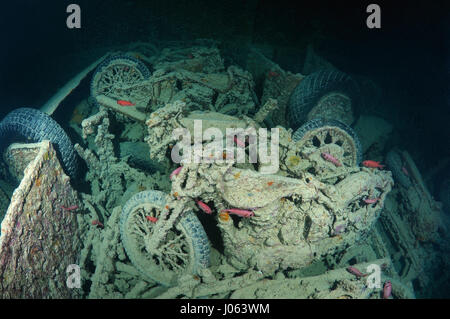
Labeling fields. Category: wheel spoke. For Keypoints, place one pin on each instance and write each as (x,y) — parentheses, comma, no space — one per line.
(170,242)
(168,252)
(173,254)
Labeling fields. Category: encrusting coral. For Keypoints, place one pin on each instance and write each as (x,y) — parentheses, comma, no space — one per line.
(106,172)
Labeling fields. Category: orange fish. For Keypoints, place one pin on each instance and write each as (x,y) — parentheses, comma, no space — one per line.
(125,103)
(372,164)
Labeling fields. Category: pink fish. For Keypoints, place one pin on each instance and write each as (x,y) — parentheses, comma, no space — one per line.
(405,171)
(371,200)
(355,271)
(151,219)
(272,74)
(97,223)
(125,103)
(239,212)
(339,229)
(73,207)
(372,164)
(204,207)
(387,290)
(330,158)
(239,142)
(175,172)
